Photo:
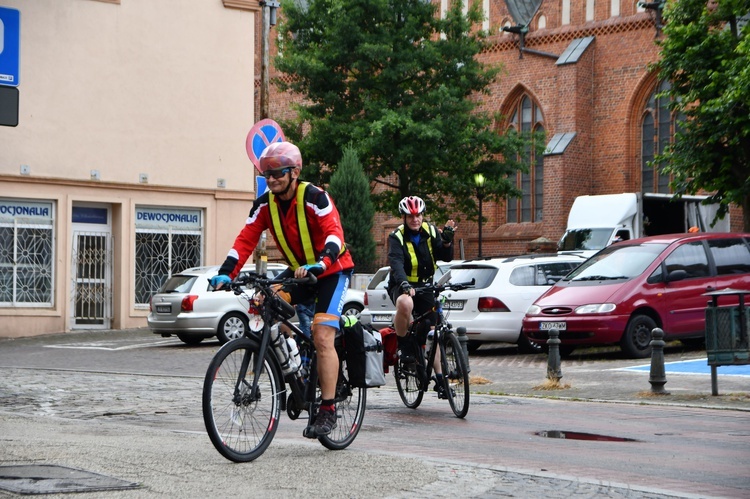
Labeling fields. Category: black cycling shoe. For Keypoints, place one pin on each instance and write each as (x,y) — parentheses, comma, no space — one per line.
(324,423)
(441,393)
(406,351)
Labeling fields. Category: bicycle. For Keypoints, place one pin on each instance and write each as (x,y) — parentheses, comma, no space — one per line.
(245,388)
(413,379)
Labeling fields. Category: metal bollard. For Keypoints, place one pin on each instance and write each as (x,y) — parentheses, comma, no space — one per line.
(461,333)
(657,376)
(554,371)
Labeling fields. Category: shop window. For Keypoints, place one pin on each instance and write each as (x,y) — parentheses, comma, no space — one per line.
(167,241)
(658,127)
(527,119)
(26,253)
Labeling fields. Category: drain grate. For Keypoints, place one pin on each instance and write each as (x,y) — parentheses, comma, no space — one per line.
(51,479)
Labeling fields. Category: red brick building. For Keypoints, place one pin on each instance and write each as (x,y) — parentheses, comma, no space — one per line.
(585,81)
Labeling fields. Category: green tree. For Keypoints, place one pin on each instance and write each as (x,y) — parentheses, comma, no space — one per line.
(405,87)
(705,54)
(350,190)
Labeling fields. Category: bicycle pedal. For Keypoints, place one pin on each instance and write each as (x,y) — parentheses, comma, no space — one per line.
(309,432)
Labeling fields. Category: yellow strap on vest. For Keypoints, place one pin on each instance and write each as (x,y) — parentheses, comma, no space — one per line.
(304,230)
(414,275)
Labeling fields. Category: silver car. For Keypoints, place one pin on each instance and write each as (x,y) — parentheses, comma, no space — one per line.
(187,306)
(493,309)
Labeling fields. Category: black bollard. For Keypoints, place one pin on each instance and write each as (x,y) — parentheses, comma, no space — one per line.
(554,371)
(657,377)
(461,333)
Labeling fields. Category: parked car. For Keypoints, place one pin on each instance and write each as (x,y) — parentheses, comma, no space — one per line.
(492,310)
(187,307)
(626,290)
(379,310)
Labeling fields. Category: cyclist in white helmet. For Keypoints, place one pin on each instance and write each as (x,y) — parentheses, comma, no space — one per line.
(415,241)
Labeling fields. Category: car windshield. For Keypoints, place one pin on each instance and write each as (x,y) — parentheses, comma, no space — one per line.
(617,262)
(584,239)
(482,275)
(178,284)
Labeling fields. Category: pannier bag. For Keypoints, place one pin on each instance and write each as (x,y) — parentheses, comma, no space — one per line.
(364,354)
(390,347)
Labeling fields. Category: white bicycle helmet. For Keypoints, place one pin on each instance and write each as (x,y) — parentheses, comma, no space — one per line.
(411,205)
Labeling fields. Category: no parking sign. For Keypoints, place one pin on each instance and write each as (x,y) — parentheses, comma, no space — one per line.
(261,135)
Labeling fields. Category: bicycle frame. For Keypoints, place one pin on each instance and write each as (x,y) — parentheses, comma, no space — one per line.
(413,381)
(245,387)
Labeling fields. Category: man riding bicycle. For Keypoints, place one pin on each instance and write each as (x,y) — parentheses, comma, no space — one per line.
(413,249)
(307,229)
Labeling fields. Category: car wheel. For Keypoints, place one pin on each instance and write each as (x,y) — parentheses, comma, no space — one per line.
(190,339)
(352,308)
(636,342)
(231,327)
(527,346)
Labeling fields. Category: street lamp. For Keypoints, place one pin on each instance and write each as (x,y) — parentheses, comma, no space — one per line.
(479,182)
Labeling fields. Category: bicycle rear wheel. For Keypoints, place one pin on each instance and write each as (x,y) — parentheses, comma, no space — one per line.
(241,424)
(350,411)
(456,376)
(409,384)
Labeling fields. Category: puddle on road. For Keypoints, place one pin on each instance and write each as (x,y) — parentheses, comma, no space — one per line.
(574,435)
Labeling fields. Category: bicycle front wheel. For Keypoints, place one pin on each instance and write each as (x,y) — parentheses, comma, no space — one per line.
(240,423)
(409,384)
(456,375)
(350,412)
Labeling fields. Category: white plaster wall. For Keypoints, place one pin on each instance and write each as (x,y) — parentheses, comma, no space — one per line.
(161,87)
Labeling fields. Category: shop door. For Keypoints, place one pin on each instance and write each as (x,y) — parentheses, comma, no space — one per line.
(92,267)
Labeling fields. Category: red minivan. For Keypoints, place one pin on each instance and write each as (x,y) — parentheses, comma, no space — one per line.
(624,291)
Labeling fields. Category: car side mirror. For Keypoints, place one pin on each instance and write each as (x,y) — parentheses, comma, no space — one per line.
(677,275)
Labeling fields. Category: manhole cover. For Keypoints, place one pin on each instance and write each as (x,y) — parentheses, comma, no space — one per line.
(50,479)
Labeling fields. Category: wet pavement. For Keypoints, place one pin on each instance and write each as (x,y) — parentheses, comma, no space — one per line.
(146,428)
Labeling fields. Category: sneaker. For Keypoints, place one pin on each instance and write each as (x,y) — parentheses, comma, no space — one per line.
(325,422)
(406,351)
(406,358)
(441,393)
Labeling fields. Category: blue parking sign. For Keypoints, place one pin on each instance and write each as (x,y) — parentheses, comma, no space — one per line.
(10,41)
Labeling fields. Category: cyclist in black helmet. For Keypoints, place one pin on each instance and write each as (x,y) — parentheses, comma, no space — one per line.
(413,249)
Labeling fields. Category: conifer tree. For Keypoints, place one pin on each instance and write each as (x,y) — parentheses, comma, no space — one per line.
(350,190)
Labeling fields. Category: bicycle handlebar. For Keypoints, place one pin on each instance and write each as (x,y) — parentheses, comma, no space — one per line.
(439,288)
(252,279)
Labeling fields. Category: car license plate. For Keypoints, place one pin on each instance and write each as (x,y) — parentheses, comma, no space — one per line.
(454,304)
(560,326)
(164,309)
(382,318)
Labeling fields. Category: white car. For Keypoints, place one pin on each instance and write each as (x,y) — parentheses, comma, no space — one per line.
(187,307)
(492,310)
(379,310)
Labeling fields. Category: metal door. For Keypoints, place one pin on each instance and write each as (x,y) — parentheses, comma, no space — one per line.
(92,277)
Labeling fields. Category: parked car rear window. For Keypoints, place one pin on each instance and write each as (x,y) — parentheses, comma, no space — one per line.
(379,280)
(482,275)
(689,257)
(178,284)
(543,274)
(732,256)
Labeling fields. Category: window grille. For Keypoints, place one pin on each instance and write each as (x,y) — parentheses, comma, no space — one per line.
(159,253)
(26,264)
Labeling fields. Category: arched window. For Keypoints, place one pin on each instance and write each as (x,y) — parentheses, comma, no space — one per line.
(527,119)
(658,127)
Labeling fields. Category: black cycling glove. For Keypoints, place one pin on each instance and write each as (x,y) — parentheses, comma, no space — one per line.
(447,234)
(405,288)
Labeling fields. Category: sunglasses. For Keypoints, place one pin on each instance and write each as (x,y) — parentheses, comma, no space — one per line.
(276,173)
